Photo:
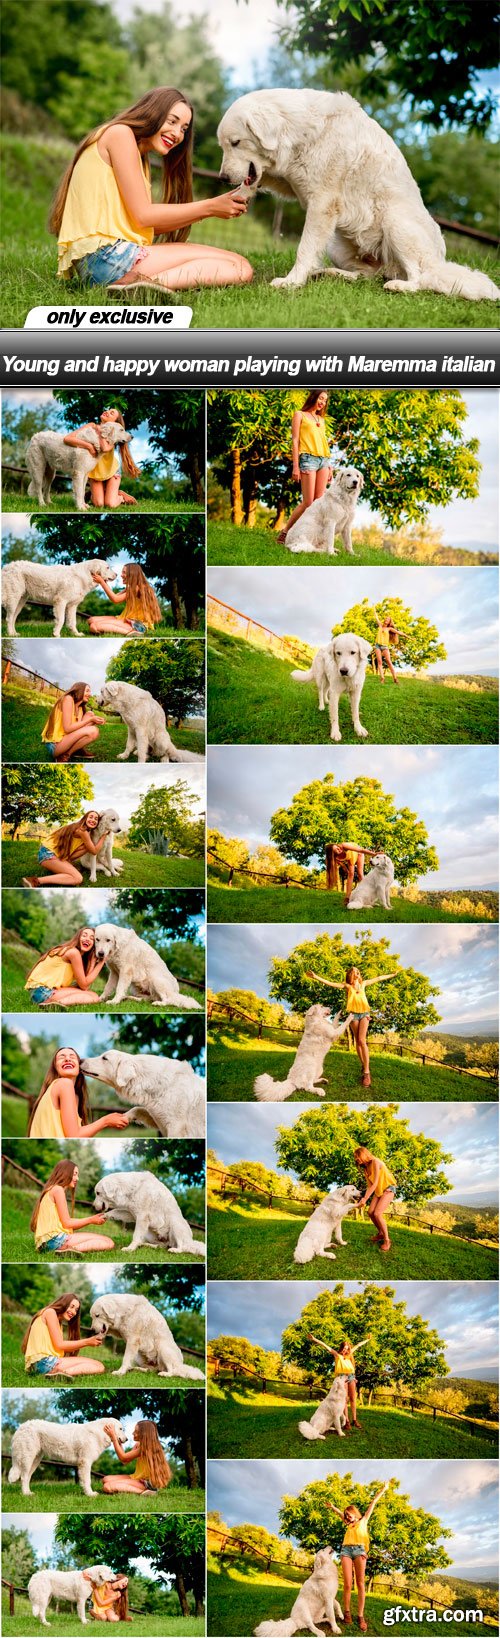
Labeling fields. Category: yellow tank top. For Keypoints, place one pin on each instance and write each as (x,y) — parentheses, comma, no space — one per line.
(53,971)
(141,1470)
(382,636)
(48,1221)
(384,1179)
(106,466)
(54,727)
(47,1123)
(104,1597)
(40,1344)
(94,213)
(134,611)
(345,1365)
(357,1535)
(351,854)
(356,998)
(312,438)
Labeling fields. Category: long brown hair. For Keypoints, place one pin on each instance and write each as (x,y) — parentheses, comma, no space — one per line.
(141,601)
(122,1607)
(160,1473)
(62,1174)
(62,950)
(144,119)
(128,462)
(52,1073)
(76,692)
(311,401)
(65,835)
(59,1306)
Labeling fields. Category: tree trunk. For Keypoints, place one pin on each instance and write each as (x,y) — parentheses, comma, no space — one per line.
(196,477)
(181,1592)
(189,1463)
(175,603)
(281,512)
(250,496)
(236,501)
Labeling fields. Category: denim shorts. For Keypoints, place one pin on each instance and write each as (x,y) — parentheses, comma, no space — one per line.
(138,626)
(45,853)
(41,993)
(353,1551)
(41,1367)
(54,1243)
(51,747)
(313,463)
(110,262)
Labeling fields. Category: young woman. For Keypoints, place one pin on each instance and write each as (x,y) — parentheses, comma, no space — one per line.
(106,221)
(110,1602)
(354,1552)
(358,1005)
(380,1190)
(64,976)
(62,1109)
(345,1365)
(70,842)
(70,728)
(104,478)
(311,462)
(45,1351)
(387,633)
(152,1471)
(51,1224)
(142,610)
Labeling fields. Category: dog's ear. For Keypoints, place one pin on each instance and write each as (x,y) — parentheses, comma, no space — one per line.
(361,482)
(125,1075)
(365,648)
(262,128)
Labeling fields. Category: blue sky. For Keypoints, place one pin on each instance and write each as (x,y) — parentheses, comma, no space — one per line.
(461,960)
(97,905)
(64,660)
(117,786)
(88,1036)
(453,789)
(465,1315)
(464,1495)
(467,1131)
(463,604)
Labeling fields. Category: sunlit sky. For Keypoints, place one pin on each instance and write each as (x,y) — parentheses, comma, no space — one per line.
(461,960)
(140,447)
(18,524)
(66,660)
(97,905)
(464,1495)
(467,1131)
(465,1315)
(453,789)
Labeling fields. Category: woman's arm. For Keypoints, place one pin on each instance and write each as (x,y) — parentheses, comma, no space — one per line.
(68,1111)
(361,1344)
(374,1501)
(331,985)
(56,1336)
(68,1222)
(295,442)
(123,1455)
(371,1190)
(332,1509)
(114,597)
(93,847)
(384,979)
(118,144)
(82,978)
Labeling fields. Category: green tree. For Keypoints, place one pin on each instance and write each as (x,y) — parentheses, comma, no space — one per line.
(19,1559)
(229,849)
(403,1004)
(402,1538)
(176,424)
(174,1546)
(403,1348)
(172,671)
(179,1418)
(319,1149)
(165,50)
(419,645)
(170,550)
(60,35)
(359,811)
(26,916)
(169,809)
(30,797)
(179,1036)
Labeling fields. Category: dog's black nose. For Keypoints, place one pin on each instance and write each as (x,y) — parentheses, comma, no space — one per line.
(343,671)
(223,178)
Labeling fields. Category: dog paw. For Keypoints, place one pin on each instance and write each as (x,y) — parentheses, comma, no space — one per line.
(289,283)
(362,733)
(336,736)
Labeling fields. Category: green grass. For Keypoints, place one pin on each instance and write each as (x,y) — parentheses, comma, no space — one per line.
(248,903)
(242,1423)
(23,719)
(15,1120)
(15,998)
(26,627)
(15,1376)
(244,1240)
(228,543)
(253,699)
(14,501)
(240,1598)
(19,1247)
(139,869)
(62,1496)
(22,1624)
(234,1060)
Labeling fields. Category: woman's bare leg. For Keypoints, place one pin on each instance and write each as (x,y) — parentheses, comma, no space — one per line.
(380,668)
(97,492)
(112,496)
(347,1579)
(351,1395)
(60,872)
(109,622)
(76,740)
(112,1486)
(77,1367)
(362,1044)
(321,480)
(88,1242)
(184,266)
(386,656)
(72,997)
(307,484)
(359,1571)
(381,1206)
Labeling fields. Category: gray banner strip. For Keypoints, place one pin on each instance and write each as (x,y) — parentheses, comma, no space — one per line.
(252,358)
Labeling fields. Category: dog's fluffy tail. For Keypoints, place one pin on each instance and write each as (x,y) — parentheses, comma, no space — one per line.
(302,676)
(275,1629)
(189,1001)
(172,754)
(197,1245)
(307,1431)
(450,279)
(268,1091)
(14,1473)
(189,1370)
(303,1254)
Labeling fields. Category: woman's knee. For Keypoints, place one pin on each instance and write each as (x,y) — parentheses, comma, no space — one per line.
(95,1367)
(243,271)
(75,876)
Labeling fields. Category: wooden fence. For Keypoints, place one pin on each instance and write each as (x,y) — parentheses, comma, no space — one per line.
(235,1183)
(401,1050)
(22,1592)
(224,618)
(28,679)
(37,1186)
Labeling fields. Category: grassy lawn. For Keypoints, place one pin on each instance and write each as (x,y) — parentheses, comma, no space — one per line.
(19,1247)
(15,998)
(23,719)
(139,869)
(145,1626)
(253,699)
(15,1376)
(242,1423)
(248,903)
(239,1599)
(65,1497)
(234,1060)
(15,1122)
(245,1240)
(228,543)
(13,501)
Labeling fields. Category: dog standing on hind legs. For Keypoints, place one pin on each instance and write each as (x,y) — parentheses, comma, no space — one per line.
(320,1030)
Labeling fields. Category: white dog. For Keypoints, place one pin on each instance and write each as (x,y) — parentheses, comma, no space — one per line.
(325,1224)
(340,668)
(317,1601)
(149,1344)
(75,1586)
(320,1029)
(135,968)
(47,454)
(61,585)
(363,207)
(331,1413)
(109,826)
(140,1198)
(333,514)
(375,887)
(166,1092)
(77,1443)
(147,732)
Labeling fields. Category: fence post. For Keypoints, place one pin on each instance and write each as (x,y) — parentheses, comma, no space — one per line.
(11,1598)
(230,877)
(259,1032)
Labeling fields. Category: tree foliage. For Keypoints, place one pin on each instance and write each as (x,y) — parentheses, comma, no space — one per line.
(173,1546)
(402,1538)
(402,1347)
(403,1004)
(172,671)
(360,812)
(419,645)
(319,1149)
(170,551)
(169,809)
(175,420)
(30,797)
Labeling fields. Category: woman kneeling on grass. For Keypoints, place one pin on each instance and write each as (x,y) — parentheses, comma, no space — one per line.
(354,1552)
(70,728)
(45,1351)
(62,1108)
(142,610)
(152,1471)
(357,1004)
(64,976)
(110,1602)
(69,843)
(51,1224)
(105,478)
(105,219)
(345,1365)
(380,1191)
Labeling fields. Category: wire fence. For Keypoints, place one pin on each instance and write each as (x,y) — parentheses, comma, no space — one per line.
(397,1049)
(235,1183)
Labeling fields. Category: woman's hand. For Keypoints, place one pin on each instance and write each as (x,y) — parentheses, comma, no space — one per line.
(100,1217)
(93,1342)
(296,473)
(118,1120)
(227,206)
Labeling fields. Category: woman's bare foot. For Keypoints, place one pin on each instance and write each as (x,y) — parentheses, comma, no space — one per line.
(385,1245)
(31,881)
(126,500)
(366,1079)
(376,1239)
